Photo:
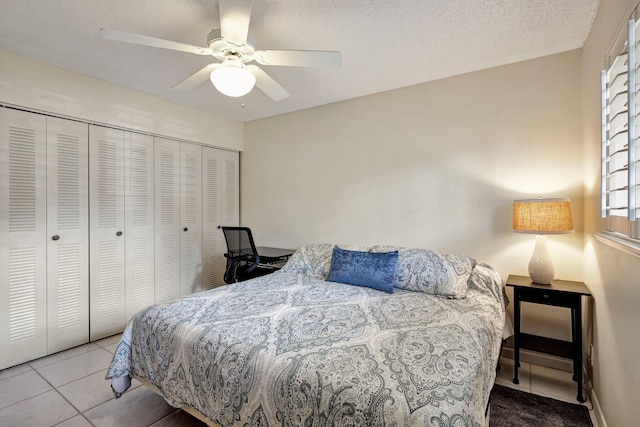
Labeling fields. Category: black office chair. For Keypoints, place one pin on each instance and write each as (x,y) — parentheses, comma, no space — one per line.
(243,261)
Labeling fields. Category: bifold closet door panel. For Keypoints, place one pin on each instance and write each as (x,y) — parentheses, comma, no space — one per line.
(220,207)
(214,246)
(107,241)
(23,275)
(67,234)
(191,218)
(167,220)
(139,223)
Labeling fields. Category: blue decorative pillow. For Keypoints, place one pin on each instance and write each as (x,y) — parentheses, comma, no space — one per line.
(371,269)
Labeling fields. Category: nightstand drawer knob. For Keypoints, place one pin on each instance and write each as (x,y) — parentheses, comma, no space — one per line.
(545,296)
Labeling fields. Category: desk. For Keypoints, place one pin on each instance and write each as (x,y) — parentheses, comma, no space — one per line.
(267,255)
(560,293)
(241,263)
(273,255)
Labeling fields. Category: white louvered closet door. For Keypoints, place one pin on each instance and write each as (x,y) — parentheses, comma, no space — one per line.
(67,234)
(191,218)
(106,192)
(139,223)
(23,281)
(220,207)
(167,219)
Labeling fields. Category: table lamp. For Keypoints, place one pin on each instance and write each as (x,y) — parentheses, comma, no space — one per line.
(542,216)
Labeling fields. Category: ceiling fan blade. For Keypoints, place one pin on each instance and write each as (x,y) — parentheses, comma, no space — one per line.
(121,36)
(197,78)
(234,20)
(299,58)
(265,83)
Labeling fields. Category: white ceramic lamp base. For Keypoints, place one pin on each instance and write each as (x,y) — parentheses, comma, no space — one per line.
(541,269)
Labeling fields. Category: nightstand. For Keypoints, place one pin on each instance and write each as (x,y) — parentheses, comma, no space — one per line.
(560,293)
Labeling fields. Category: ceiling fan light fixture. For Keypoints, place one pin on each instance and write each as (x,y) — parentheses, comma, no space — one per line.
(233,79)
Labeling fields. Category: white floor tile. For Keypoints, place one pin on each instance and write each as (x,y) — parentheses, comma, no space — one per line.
(20,387)
(505,376)
(87,392)
(553,383)
(542,381)
(115,339)
(45,410)
(76,367)
(90,391)
(16,370)
(111,348)
(47,360)
(77,421)
(136,408)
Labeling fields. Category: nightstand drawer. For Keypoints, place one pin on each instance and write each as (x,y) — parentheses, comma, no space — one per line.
(541,296)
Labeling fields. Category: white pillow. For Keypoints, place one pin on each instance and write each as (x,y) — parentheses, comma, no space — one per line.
(315,259)
(431,272)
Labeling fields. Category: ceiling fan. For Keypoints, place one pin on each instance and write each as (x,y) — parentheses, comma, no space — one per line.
(235,48)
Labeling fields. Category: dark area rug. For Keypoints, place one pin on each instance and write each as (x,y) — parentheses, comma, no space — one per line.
(514,408)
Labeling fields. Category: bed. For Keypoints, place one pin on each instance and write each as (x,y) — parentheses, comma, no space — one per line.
(355,337)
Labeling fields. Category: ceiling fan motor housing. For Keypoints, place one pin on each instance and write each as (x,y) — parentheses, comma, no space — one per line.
(222,49)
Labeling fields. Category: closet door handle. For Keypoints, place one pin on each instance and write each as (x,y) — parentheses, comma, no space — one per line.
(55,237)
(185,229)
(119,233)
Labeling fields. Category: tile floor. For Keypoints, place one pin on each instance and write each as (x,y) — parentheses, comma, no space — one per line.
(543,381)
(540,380)
(68,389)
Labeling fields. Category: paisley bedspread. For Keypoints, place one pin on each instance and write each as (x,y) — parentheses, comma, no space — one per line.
(290,349)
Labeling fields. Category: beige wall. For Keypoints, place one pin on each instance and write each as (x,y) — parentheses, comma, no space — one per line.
(435,165)
(44,87)
(612,274)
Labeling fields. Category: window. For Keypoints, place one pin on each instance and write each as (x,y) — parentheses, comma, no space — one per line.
(620,138)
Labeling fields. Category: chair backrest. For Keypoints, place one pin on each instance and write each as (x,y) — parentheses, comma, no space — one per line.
(242,255)
(239,241)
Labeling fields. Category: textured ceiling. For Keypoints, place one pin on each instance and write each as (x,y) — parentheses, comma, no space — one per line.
(385,44)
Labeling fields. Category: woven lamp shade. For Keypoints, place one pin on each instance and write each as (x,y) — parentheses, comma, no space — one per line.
(542,216)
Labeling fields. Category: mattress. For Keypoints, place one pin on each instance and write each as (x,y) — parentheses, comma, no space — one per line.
(293,349)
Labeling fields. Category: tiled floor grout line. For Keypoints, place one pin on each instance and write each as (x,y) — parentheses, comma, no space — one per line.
(64,358)
(78,412)
(61,395)
(47,391)
(30,397)
(529,389)
(78,379)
